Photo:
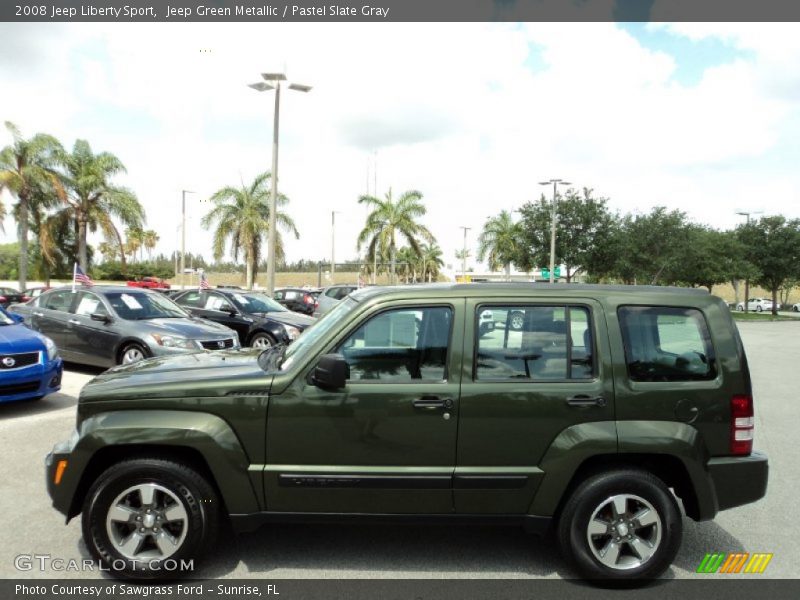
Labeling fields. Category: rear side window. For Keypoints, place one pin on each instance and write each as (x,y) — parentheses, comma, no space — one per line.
(664,343)
(537,343)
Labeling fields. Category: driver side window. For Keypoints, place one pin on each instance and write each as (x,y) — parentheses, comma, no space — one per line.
(401,345)
(217,302)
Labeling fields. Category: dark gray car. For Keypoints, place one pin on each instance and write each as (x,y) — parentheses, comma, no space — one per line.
(111,325)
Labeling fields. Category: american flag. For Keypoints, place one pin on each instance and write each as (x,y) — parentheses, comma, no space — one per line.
(81,277)
(203,282)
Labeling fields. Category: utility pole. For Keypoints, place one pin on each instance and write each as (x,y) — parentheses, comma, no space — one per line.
(183,232)
(464,255)
(555,183)
(747,279)
(333,245)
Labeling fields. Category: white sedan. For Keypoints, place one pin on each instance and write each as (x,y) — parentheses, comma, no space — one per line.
(757,305)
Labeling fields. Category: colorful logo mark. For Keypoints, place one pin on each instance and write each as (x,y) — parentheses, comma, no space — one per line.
(734,562)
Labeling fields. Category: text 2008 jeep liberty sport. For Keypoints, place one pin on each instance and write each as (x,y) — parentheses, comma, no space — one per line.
(589,409)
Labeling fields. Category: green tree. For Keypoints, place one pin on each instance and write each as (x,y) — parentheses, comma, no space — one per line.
(134,236)
(150,240)
(772,245)
(648,247)
(584,227)
(241,218)
(389,220)
(500,242)
(430,262)
(27,171)
(408,258)
(709,257)
(93,201)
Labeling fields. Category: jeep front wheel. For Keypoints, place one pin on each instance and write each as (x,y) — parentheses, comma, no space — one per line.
(150,518)
(621,525)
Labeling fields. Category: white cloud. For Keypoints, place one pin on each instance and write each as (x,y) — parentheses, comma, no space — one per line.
(462,112)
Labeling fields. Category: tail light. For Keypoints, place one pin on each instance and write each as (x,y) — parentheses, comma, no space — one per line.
(2,298)
(742,425)
(26,298)
(316,304)
(307,299)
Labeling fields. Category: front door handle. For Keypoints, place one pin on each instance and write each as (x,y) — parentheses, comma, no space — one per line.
(433,402)
(38,314)
(583,400)
(74,322)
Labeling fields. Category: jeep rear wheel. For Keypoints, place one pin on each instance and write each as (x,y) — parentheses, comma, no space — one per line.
(621,525)
(148,518)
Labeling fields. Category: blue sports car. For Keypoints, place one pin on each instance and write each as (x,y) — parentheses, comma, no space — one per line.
(30,367)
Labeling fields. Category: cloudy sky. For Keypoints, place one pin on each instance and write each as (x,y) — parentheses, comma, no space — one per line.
(704,118)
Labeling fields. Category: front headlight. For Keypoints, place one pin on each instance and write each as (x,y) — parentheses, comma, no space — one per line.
(170,341)
(292,332)
(52,351)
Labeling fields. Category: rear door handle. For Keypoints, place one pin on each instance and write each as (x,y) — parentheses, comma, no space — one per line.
(74,322)
(38,314)
(433,402)
(583,400)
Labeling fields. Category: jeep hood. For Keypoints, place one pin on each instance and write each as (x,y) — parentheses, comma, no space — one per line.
(202,374)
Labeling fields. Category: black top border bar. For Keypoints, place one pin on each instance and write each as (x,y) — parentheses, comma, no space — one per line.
(340,11)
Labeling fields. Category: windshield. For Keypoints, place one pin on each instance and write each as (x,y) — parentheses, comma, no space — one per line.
(137,306)
(309,337)
(256,303)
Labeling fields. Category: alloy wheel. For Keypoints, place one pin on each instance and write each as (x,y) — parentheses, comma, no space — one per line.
(147,522)
(624,531)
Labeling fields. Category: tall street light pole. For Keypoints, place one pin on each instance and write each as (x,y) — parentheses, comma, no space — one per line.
(555,183)
(333,245)
(262,86)
(464,255)
(747,279)
(183,232)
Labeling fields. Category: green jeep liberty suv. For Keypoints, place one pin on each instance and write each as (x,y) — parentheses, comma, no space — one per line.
(585,410)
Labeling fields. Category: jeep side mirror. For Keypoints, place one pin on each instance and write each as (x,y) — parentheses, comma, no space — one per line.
(331,372)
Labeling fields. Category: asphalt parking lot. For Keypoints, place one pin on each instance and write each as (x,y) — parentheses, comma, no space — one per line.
(31,526)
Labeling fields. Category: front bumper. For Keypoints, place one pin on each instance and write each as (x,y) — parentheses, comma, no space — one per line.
(739,480)
(62,488)
(31,382)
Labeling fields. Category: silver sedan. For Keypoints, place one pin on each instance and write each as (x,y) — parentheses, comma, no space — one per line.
(111,325)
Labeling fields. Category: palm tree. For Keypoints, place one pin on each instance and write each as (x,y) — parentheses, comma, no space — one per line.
(241,216)
(500,241)
(26,170)
(92,201)
(389,220)
(431,261)
(149,240)
(134,238)
(408,259)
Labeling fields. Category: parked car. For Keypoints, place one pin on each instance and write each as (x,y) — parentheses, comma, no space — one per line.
(34,292)
(258,320)
(757,305)
(149,283)
(30,367)
(796,307)
(111,325)
(610,405)
(330,297)
(9,296)
(297,299)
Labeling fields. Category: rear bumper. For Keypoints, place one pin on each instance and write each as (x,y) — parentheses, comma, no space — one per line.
(739,480)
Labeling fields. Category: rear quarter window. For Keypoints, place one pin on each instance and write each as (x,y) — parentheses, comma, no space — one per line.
(664,343)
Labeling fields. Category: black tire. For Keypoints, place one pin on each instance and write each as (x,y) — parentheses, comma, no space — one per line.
(262,340)
(195,495)
(759,309)
(594,493)
(796,308)
(516,321)
(132,347)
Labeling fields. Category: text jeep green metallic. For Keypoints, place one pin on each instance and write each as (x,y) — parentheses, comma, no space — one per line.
(591,408)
